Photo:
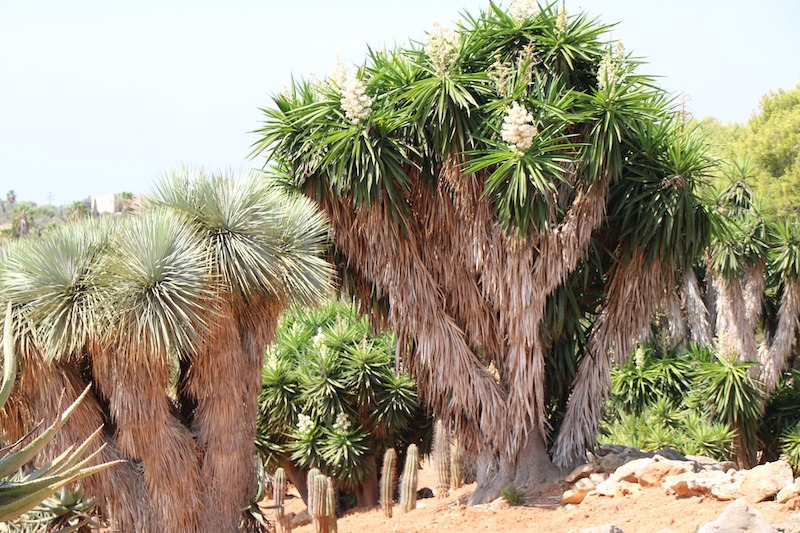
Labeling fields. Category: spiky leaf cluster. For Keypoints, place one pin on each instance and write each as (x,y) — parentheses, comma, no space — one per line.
(587,124)
(330,395)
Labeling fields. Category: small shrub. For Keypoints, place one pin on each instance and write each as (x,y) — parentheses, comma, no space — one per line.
(790,446)
(513,496)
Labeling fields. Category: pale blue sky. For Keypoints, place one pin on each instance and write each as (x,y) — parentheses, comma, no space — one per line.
(100,96)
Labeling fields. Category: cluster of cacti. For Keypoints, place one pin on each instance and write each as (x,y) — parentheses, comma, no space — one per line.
(21,493)
(408,484)
(456,468)
(388,481)
(441,459)
(278,494)
(321,502)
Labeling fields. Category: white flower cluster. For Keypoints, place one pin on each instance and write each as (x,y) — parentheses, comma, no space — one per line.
(338,72)
(561,21)
(304,424)
(606,72)
(318,338)
(442,48)
(639,358)
(608,67)
(523,9)
(342,423)
(356,104)
(518,129)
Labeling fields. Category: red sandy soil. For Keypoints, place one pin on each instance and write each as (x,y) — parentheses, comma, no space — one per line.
(648,511)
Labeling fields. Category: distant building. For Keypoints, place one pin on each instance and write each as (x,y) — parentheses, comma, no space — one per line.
(115,203)
(107,203)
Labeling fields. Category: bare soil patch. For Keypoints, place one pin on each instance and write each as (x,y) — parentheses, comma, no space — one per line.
(648,511)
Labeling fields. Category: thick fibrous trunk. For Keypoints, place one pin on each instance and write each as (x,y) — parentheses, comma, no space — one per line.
(530,468)
(458,286)
(696,312)
(147,430)
(118,491)
(636,291)
(738,309)
(224,381)
(775,357)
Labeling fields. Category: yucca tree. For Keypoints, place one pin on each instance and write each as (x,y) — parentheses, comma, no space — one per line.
(162,298)
(737,262)
(263,250)
(58,315)
(518,200)
(328,369)
(776,351)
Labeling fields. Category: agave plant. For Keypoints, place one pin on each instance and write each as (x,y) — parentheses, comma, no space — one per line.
(65,511)
(19,493)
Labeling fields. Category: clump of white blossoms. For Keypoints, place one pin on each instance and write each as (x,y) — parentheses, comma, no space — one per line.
(608,67)
(342,423)
(355,102)
(318,338)
(338,72)
(442,48)
(518,129)
(523,9)
(304,424)
(639,358)
(561,21)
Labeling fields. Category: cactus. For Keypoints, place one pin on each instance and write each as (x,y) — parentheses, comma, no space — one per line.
(388,481)
(408,485)
(330,506)
(318,502)
(456,468)
(279,491)
(441,458)
(313,505)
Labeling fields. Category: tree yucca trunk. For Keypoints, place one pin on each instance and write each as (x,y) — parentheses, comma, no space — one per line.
(520,201)
(189,291)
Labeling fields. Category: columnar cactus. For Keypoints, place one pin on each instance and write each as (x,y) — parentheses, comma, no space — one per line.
(279,490)
(441,459)
(330,506)
(456,468)
(408,485)
(318,503)
(311,480)
(388,481)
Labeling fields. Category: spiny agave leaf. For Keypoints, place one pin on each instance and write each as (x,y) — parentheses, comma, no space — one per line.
(17,507)
(14,462)
(9,358)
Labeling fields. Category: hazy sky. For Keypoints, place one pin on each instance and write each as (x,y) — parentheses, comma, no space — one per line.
(100,96)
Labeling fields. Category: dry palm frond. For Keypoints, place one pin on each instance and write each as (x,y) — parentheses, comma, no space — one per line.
(635,293)
(732,320)
(696,313)
(675,320)
(148,430)
(753,294)
(775,357)
(441,358)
